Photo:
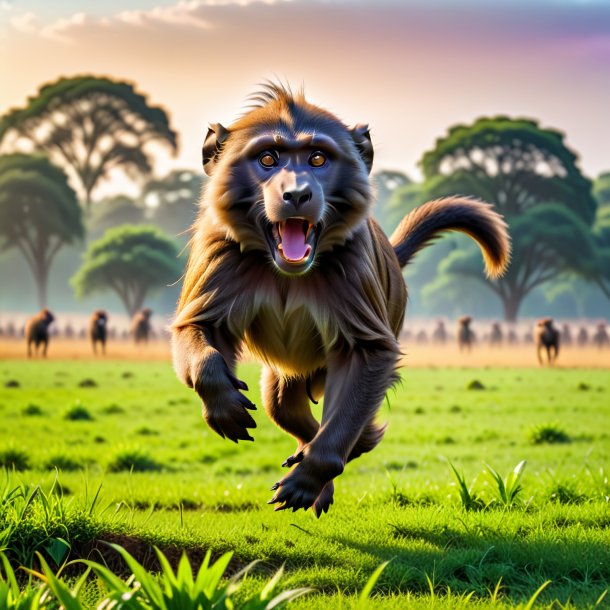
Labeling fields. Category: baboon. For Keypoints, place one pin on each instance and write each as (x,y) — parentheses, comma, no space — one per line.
(582,339)
(600,338)
(69,331)
(37,332)
(421,337)
(287,260)
(512,337)
(495,335)
(439,335)
(547,337)
(465,334)
(140,325)
(566,334)
(98,330)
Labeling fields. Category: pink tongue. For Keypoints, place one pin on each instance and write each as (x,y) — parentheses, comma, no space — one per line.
(293,244)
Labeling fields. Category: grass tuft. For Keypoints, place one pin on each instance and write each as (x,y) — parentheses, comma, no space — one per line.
(549,434)
(78,413)
(14,459)
(132,459)
(32,410)
(475,384)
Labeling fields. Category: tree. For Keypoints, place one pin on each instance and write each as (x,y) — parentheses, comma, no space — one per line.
(386,183)
(533,179)
(113,212)
(171,202)
(90,125)
(130,260)
(39,213)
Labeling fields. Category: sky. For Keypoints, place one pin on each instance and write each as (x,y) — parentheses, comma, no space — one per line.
(410,69)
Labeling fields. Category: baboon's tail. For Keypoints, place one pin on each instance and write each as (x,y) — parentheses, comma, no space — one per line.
(424,224)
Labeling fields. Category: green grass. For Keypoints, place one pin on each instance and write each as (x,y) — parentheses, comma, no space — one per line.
(548,521)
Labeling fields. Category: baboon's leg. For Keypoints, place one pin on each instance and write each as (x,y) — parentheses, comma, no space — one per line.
(287,404)
(539,353)
(104,347)
(30,348)
(94,344)
(45,345)
(356,383)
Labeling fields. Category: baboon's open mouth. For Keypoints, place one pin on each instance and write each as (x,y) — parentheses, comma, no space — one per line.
(294,243)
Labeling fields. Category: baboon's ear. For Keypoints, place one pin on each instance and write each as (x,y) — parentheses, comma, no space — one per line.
(362,139)
(212,146)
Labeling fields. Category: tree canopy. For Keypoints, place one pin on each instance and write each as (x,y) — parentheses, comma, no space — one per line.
(131,261)
(39,213)
(90,125)
(533,179)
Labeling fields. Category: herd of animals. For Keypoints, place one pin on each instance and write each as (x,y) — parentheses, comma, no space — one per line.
(38,331)
(545,336)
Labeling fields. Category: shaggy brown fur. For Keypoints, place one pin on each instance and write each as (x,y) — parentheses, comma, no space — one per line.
(37,332)
(140,325)
(547,338)
(98,329)
(287,261)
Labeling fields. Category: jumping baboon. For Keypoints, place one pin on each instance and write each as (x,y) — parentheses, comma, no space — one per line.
(439,335)
(286,259)
(600,338)
(582,339)
(98,329)
(465,334)
(37,332)
(547,337)
(140,325)
(495,335)
(566,334)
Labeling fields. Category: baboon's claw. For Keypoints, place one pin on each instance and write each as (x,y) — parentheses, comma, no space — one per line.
(293,459)
(275,486)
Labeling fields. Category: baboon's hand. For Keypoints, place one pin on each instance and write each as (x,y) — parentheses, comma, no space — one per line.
(224,406)
(308,484)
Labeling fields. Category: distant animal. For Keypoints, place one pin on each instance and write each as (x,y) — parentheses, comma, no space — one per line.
(439,335)
(547,338)
(69,331)
(421,337)
(11,331)
(465,334)
(512,337)
(495,335)
(566,335)
(98,330)
(140,325)
(601,339)
(582,339)
(287,260)
(37,332)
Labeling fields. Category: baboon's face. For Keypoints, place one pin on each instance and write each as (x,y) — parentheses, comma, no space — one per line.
(289,180)
(47,317)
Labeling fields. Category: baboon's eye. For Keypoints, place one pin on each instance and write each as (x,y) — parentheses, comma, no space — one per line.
(317,159)
(266,159)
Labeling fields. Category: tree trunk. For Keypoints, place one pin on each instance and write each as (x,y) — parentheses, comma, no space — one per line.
(41,277)
(511,304)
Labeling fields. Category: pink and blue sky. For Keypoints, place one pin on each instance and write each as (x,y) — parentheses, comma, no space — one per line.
(409,69)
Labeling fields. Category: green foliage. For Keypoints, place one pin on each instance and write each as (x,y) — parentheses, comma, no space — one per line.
(32,410)
(39,213)
(131,261)
(548,434)
(508,488)
(91,125)
(533,179)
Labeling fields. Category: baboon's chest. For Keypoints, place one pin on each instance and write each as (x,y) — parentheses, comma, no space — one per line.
(289,341)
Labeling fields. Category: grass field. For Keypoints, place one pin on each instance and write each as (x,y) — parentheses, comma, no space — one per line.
(166,480)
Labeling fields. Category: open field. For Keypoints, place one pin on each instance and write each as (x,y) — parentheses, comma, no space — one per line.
(415,355)
(166,479)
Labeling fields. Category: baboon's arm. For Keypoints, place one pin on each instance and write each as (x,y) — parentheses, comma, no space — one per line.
(204,359)
(355,386)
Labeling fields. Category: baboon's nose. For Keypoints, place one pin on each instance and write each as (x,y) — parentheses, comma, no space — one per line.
(298,195)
